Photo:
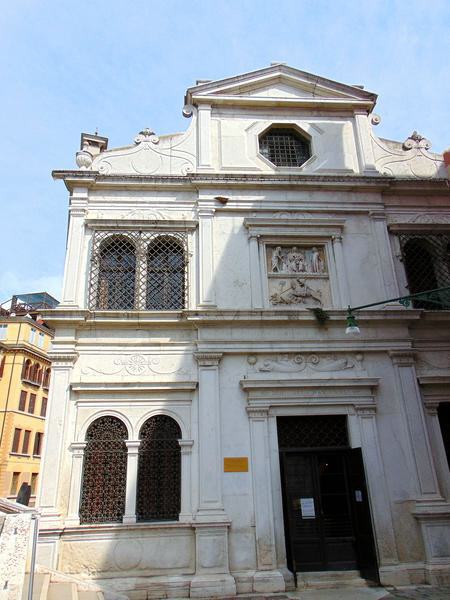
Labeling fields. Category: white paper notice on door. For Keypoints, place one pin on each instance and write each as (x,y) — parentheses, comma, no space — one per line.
(307,508)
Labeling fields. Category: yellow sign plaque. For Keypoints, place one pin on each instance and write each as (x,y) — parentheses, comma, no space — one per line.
(235,464)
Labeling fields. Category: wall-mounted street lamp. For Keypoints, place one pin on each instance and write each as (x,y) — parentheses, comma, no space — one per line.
(439,297)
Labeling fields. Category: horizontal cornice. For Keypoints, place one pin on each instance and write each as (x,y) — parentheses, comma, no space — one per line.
(193,318)
(383,183)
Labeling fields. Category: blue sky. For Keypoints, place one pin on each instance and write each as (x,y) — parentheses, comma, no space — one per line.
(68,67)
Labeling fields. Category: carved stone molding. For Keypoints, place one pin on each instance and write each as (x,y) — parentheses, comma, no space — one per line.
(431,407)
(257,413)
(60,360)
(365,411)
(77,447)
(403,358)
(133,446)
(186,446)
(208,359)
(296,363)
(146,135)
(138,365)
(263,394)
(415,140)
(435,388)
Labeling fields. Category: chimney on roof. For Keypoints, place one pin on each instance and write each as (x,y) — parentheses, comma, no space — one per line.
(200,81)
(277,62)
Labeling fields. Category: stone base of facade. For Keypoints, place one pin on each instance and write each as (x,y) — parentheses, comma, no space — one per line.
(415,574)
(214,585)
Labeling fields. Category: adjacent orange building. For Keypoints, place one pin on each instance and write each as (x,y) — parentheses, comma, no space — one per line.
(24,382)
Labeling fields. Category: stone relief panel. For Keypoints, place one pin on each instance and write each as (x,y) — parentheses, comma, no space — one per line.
(423,218)
(298,275)
(433,363)
(150,155)
(306,363)
(137,365)
(410,159)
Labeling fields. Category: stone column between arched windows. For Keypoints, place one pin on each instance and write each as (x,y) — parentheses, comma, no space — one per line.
(132,474)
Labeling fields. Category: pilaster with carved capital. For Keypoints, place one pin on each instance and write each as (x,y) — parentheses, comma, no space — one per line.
(255,270)
(186,499)
(73,283)
(206,256)
(55,488)
(413,414)
(341,271)
(376,482)
(209,438)
(384,253)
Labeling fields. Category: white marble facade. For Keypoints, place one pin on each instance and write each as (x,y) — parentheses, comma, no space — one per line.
(264,244)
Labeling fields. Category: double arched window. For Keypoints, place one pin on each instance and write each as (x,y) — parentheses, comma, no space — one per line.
(104,479)
(138,271)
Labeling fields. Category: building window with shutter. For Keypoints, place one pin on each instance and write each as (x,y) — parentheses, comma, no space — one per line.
(23,400)
(44,407)
(26,441)
(41,338)
(33,484)
(14,483)
(32,404)
(16,440)
(38,443)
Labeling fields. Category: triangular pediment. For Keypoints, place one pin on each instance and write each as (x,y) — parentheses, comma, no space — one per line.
(278,82)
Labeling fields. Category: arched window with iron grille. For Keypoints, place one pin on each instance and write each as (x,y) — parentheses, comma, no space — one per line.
(166,272)
(103,486)
(116,274)
(159,470)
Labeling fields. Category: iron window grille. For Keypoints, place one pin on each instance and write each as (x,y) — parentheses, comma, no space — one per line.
(138,270)
(103,488)
(284,147)
(328,431)
(426,258)
(159,470)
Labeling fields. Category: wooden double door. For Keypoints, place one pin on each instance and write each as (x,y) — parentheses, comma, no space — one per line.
(326,512)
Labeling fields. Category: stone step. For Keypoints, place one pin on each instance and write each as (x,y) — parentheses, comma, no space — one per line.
(40,586)
(90,595)
(62,591)
(330,579)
